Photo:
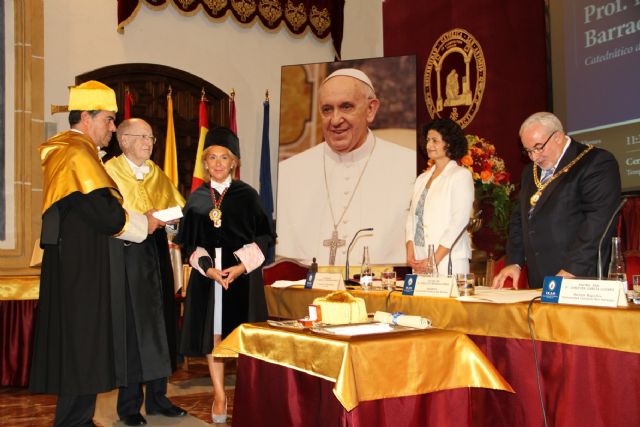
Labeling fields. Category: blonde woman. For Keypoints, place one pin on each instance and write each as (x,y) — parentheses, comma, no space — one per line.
(226,232)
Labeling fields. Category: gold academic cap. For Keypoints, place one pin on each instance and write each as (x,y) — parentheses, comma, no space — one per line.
(89,96)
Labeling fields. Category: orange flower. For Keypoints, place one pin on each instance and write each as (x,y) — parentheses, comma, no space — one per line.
(485,175)
(467,160)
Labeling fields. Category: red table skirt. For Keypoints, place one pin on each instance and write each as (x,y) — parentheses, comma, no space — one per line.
(581,386)
(270,395)
(17,324)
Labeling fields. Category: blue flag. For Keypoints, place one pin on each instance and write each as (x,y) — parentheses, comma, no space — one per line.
(266,191)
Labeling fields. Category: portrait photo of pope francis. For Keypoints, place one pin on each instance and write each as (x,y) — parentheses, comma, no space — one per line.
(347,159)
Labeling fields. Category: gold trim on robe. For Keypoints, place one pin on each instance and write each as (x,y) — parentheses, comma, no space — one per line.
(423,361)
(70,163)
(155,191)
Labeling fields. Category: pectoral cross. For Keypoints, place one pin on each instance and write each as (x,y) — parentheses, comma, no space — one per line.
(333,243)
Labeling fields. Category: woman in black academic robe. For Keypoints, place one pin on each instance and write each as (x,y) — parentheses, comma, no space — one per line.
(221,217)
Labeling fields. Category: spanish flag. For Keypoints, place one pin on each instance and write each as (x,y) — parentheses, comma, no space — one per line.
(170,151)
(203,122)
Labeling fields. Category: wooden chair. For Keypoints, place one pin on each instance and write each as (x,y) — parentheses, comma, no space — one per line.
(284,269)
(632,260)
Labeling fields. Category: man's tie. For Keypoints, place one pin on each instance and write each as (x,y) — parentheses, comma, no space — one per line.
(546,174)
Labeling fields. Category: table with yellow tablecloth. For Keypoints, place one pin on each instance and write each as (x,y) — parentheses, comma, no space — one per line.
(361,369)
(585,354)
(424,361)
(610,328)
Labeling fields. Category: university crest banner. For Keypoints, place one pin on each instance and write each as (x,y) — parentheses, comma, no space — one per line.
(482,63)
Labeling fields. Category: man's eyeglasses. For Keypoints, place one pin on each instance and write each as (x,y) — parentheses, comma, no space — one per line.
(149,138)
(537,149)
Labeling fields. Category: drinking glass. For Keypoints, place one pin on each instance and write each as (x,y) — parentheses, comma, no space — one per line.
(466,283)
(389,280)
(366,279)
(636,284)
(366,275)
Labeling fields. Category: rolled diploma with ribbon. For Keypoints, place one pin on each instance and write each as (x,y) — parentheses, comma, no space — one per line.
(402,320)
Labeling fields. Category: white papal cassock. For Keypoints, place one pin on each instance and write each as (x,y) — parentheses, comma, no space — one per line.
(381,201)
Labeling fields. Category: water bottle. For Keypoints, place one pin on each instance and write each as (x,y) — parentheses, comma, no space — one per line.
(431,268)
(617,270)
(366,276)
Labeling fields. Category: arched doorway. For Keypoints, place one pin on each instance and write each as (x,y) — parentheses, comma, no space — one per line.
(149,85)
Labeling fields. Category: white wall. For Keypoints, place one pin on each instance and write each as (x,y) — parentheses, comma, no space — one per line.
(81,36)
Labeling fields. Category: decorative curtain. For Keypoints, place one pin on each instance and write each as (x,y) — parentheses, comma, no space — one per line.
(322,17)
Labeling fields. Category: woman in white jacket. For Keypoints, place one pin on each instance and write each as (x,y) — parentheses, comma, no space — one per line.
(442,201)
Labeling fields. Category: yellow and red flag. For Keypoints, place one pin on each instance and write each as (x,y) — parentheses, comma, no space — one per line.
(203,123)
(170,151)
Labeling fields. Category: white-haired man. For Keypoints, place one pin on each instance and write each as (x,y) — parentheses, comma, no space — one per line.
(567,195)
(352,180)
(151,324)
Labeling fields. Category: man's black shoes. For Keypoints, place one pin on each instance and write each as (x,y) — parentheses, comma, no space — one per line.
(172,411)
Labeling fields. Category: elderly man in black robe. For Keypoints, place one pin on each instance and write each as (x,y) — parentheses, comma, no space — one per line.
(151,323)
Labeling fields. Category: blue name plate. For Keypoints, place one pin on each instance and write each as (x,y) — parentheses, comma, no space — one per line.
(551,289)
(310,278)
(409,284)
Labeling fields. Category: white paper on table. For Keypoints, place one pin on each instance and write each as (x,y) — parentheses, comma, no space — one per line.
(287,283)
(501,296)
(362,329)
(169,214)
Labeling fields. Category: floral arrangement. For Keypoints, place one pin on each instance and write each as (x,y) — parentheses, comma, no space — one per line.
(491,183)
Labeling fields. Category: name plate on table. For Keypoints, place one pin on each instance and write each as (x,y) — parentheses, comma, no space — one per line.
(598,293)
(326,281)
(427,286)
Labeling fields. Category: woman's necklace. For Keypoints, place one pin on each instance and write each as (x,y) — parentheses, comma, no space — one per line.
(216,214)
(534,199)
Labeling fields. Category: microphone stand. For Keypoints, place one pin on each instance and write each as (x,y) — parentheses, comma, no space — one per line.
(346,265)
(606,231)
(470,225)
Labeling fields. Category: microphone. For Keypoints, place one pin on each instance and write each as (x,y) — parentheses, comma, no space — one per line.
(606,231)
(472,225)
(346,265)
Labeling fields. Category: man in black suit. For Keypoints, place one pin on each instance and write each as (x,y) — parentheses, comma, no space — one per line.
(567,195)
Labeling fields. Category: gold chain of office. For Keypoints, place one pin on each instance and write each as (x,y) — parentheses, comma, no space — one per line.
(216,214)
(534,199)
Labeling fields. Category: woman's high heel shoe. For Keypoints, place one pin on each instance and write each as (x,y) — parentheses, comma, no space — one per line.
(220,419)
